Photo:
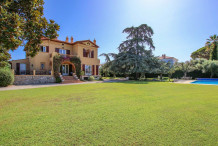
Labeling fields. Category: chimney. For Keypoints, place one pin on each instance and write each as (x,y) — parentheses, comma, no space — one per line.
(67,39)
(164,56)
(94,41)
(71,39)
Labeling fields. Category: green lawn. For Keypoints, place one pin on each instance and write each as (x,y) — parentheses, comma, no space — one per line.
(129,113)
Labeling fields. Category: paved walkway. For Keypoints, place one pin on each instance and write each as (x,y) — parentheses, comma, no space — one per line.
(16,87)
(184,81)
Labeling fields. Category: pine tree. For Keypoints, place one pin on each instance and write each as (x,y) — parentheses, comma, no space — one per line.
(133,58)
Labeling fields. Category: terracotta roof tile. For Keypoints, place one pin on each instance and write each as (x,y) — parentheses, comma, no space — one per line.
(80,42)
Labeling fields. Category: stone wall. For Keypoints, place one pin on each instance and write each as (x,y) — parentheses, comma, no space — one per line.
(31,79)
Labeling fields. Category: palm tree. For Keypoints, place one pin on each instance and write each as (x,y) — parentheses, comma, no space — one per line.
(106,68)
(212,44)
(107,57)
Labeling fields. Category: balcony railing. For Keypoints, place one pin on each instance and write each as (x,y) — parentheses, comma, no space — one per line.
(66,57)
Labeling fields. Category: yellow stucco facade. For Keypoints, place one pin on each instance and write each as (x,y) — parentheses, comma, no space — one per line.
(86,50)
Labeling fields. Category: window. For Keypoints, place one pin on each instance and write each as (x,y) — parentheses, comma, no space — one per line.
(88,70)
(22,69)
(44,49)
(62,51)
(88,53)
(42,65)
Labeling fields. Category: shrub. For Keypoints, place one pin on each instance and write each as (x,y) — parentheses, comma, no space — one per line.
(100,78)
(82,73)
(6,77)
(91,78)
(58,80)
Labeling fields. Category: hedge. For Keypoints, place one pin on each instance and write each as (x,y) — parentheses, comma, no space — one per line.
(6,77)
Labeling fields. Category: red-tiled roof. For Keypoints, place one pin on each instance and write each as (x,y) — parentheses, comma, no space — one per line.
(167,57)
(77,42)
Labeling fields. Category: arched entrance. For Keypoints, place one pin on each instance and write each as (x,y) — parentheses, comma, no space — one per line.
(67,68)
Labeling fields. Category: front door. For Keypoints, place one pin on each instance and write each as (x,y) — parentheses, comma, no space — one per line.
(65,69)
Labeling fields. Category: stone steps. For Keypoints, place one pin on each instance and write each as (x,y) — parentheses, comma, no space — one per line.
(70,79)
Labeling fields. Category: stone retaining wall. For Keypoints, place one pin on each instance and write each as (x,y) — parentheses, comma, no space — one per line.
(31,79)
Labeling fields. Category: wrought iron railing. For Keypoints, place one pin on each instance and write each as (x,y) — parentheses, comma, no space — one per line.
(23,72)
(43,72)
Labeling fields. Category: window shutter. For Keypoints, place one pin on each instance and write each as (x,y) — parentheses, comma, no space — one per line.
(17,68)
(93,69)
(84,53)
(92,54)
(68,52)
(96,69)
(47,48)
(41,48)
(57,50)
(84,68)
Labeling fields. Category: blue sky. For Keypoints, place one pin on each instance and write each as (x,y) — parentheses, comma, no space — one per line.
(180,26)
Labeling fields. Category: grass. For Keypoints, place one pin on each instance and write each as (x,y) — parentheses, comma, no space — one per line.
(128,113)
(112,77)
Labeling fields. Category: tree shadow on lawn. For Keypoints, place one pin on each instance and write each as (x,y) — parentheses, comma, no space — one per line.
(133,82)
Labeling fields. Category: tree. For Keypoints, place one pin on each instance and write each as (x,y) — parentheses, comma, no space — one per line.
(185,67)
(106,68)
(163,68)
(171,72)
(210,66)
(201,53)
(133,58)
(212,45)
(22,24)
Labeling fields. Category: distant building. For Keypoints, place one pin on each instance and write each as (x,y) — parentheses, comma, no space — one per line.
(167,59)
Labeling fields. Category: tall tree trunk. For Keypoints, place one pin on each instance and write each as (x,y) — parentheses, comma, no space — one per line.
(137,76)
(211,74)
(161,77)
(185,74)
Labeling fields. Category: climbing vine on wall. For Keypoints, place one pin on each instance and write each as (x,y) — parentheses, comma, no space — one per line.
(56,66)
(77,62)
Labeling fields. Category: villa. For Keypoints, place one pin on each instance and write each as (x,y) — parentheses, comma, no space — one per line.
(42,63)
(168,59)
